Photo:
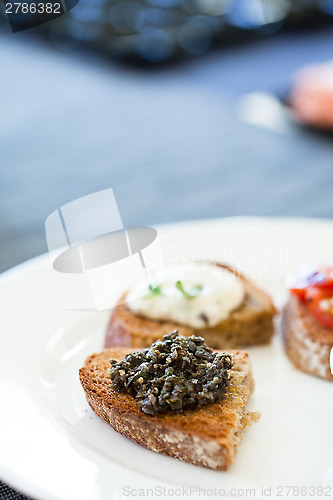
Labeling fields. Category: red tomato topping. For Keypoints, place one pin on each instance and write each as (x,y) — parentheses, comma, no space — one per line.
(314,287)
(320,302)
(300,292)
(300,283)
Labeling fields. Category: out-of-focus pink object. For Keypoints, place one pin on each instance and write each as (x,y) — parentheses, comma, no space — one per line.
(312,95)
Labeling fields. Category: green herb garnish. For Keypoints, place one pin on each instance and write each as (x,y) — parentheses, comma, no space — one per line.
(193,293)
(153,291)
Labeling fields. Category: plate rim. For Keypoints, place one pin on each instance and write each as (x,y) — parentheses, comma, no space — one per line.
(35,262)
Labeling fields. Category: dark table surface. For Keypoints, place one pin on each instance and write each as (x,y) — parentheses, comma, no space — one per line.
(170,141)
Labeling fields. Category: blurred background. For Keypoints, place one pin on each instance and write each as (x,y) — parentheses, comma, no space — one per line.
(186,108)
(181,106)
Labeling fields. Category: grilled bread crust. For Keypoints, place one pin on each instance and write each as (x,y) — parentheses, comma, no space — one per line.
(250,324)
(207,437)
(307,342)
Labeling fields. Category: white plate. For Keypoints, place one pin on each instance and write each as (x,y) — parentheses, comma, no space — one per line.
(52,446)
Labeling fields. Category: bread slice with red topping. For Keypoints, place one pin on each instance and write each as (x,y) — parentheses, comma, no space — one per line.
(307,342)
(249,324)
(208,436)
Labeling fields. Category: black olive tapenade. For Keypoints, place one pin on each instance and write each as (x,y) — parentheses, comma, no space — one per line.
(173,374)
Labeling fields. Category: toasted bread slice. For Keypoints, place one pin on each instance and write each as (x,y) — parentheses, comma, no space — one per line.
(208,436)
(250,324)
(307,342)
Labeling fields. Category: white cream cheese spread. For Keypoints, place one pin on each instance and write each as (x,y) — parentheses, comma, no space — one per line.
(195,294)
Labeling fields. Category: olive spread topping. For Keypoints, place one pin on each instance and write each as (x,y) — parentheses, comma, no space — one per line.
(173,374)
